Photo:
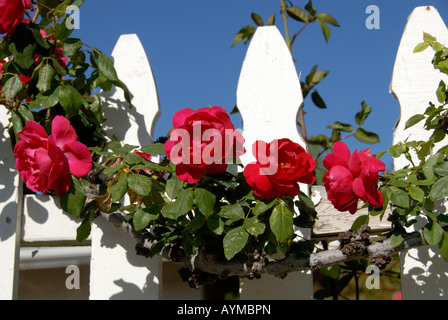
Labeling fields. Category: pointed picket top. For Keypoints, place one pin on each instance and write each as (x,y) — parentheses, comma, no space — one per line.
(414,79)
(414,83)
(116,274)
(269,94)
(134,126)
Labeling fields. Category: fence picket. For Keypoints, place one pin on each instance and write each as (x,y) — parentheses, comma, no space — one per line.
(11,200)
(414,82)
(114,263)
(269,97)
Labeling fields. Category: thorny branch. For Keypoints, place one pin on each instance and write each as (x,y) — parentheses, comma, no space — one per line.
(205,266)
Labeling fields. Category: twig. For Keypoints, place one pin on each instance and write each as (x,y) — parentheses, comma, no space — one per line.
(213,263)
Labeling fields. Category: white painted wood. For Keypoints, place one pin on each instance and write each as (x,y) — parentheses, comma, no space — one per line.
(331,222)
(10,209)
(116,271)
(136,125)
(269,97)
(414,82)
(44,220)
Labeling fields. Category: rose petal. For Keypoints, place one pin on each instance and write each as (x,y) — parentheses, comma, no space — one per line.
(180,117)
(78,157)
(191,174)
(62,131)
(358,188)
(339,157)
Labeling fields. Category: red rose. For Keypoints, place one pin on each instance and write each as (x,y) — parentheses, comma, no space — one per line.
(202,141)
(352,177)
(46,162)
(279,168)
(11,14)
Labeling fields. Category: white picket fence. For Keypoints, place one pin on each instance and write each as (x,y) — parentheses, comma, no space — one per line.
(268,97)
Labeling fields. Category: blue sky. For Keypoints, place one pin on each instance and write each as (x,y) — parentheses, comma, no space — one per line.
(189,46)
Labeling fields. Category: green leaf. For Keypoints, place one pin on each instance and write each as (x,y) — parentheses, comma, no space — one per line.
(421,47)
(399,197)
(12,87)
(119,189)
(443,246)
(58,68)
(140,184)
(234,242)
(362,115)
(428,167)
(309,7)
(23,52)
(319,140)
(271,20)
(433,233)
(257,19)
(154,149)
(70,99)
(341,126)
(325,30)
(71,46)
(332,271)
(416,193)
(233,212)
(83,230)
(325,17)
(46,75)
(366,136)
(26,113)
(414,120)
(438,135)
(440,189)
(205,201)
(253,226)
(395,150)
(180,207)
(428,38)
(441,168)
(106,68)
(261,207)
(396,239)
(132,158)
(308,214)
(245,34)
(281,222)
(74,200)
(297,14)
(361,220)
(17,124)
(318,101)
(173,186)
(441,92)
(144,216)
(215,224)
(318,76)
(425,150)
(61,31)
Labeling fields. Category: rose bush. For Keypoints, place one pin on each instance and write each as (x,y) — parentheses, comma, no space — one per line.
(208,141)
(351,177)
(11,14)
(181,194)
(281,165)
(46,162)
